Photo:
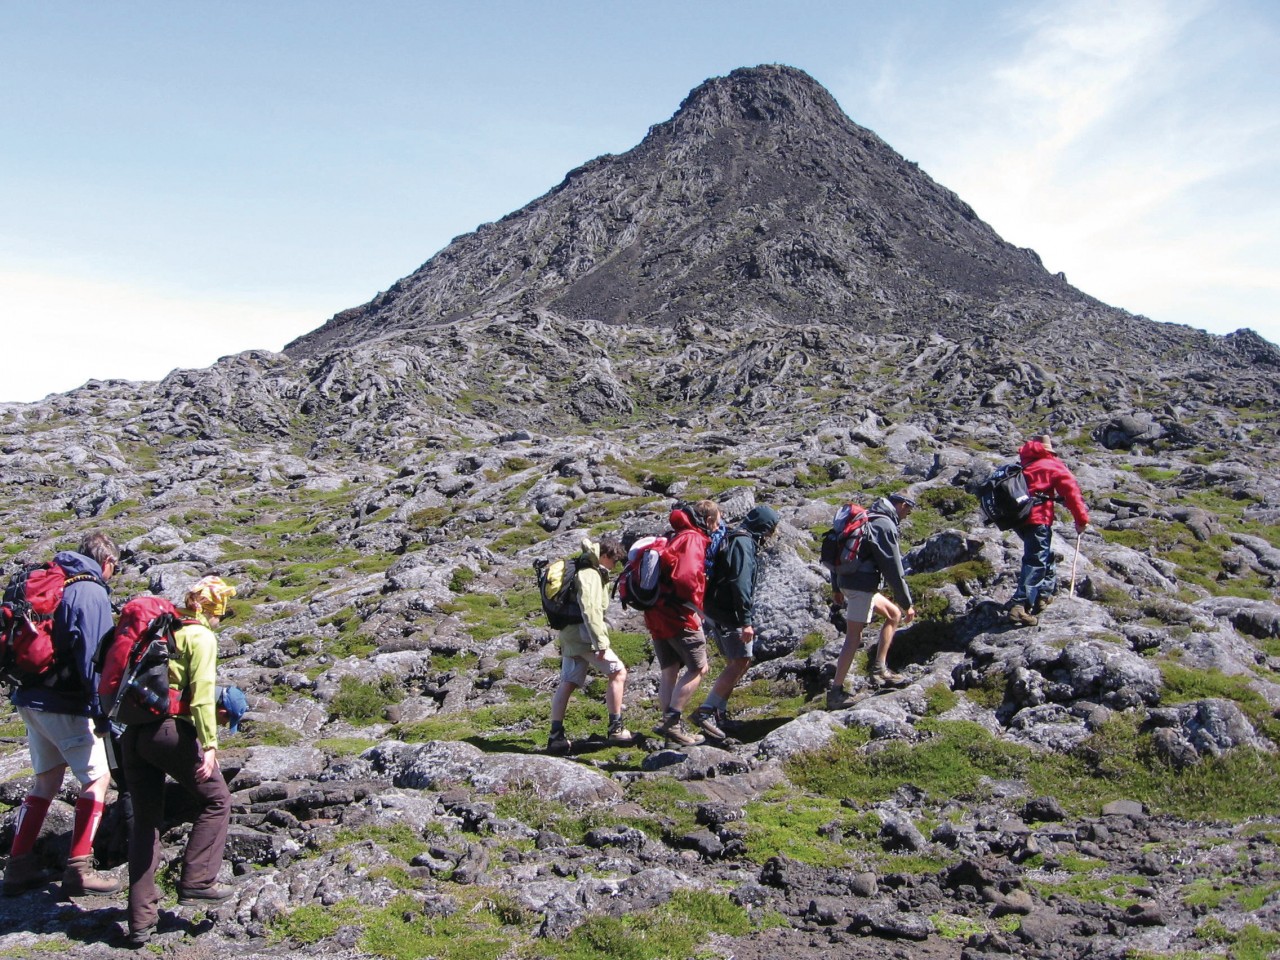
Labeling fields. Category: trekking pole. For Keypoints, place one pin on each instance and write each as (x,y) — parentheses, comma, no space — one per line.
(1074,561)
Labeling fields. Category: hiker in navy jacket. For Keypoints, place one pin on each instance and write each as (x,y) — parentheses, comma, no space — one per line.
(729,605)
(59,711)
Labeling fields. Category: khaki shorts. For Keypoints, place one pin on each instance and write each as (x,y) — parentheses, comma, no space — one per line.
(857,606)
(574,669)
(57,738)
(688,648)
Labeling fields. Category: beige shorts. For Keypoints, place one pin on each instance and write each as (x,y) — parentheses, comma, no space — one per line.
(857,606)
(57,738)
(688,649)
(574,669)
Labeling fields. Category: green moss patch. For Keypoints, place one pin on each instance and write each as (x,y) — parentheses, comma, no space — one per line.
(362,703)
(956,759)
(675,930)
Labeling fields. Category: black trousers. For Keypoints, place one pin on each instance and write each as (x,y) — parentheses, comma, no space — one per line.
(152,750)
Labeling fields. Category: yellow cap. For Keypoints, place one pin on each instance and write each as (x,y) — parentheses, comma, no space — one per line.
(210,596)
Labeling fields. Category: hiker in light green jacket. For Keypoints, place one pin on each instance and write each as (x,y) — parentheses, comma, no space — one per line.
(585,646)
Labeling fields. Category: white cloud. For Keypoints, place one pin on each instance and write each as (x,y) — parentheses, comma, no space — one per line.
(64,330)
(1109,140)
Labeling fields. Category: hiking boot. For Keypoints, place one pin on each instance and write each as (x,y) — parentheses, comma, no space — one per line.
(620,736)
(24,873)
(1018,614)
(81,880)
(705,720)
(882,676)
(838,698)
(136,939)
(558,745)
(1042,601)
(198,896)
(727,723)
(673,730)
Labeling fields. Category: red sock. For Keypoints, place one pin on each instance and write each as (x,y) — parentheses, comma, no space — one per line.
(88,813)
(27,828)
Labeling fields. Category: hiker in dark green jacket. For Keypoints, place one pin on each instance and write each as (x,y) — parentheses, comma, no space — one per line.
(728,607)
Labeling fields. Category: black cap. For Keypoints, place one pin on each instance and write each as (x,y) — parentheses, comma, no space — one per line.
(902,498)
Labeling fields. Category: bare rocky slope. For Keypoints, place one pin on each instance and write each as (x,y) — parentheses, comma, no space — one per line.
(761,303)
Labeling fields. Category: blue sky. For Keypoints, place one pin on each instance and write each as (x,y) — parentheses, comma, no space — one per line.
(181,181)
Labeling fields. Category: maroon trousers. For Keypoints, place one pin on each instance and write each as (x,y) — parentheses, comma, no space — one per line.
(152,750)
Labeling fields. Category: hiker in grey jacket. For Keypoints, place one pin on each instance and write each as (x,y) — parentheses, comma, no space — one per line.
(879,560)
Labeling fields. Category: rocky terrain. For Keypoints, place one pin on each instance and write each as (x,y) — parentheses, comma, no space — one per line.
(760,303)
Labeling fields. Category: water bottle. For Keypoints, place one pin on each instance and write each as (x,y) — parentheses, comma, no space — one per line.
(158,703)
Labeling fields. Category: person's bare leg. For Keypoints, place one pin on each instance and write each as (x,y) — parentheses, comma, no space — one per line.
(852,641)
(892,614)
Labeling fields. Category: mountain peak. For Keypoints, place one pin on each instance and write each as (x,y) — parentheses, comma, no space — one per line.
(758,203)
(770,93)
(758,197)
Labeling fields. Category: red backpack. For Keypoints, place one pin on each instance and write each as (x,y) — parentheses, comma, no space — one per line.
(842,544)
(638,584)
(133,662)
(27,650)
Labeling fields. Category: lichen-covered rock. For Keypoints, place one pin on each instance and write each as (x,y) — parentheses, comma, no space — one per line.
(436,764)
(263,764)
(1203,728)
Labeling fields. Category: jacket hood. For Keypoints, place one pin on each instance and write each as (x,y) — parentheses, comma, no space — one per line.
(590,552)
(884,507)
(681,519)
(77,563)
(760,520)
(1033,450)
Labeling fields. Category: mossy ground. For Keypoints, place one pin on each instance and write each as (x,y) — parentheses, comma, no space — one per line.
(958,759)
(485,924)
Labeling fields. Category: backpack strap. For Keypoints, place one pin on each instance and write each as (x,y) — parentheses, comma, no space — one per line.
(60,669)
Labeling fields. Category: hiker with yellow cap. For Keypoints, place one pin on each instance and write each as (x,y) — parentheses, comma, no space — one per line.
(186,748)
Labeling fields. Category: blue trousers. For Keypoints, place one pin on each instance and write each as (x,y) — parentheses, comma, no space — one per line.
(1038,577)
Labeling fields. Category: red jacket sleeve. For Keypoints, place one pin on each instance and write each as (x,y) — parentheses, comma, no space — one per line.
(1064,486)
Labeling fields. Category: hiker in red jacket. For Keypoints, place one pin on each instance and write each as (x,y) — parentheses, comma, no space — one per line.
(675,622)
(1048,480)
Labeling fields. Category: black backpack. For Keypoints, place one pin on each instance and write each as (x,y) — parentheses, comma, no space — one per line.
(1004,498)
(558,589)
(719,578)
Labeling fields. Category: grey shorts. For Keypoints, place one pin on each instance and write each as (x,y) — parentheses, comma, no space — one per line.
(688,649)
(57,738)
(575,669)
(729,641)
(857,606)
